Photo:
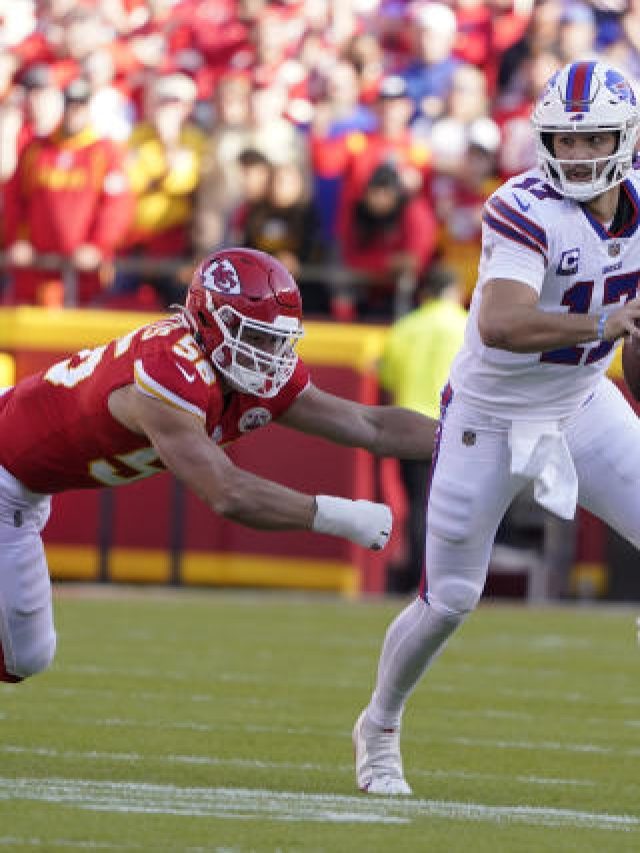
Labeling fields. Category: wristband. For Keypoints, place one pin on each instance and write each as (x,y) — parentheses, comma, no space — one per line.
(364,522)
(602,322)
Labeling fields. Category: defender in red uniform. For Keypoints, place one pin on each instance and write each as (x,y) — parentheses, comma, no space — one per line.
(169,395)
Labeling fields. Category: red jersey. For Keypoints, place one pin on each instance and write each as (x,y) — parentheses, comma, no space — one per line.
(66,192)
(56,430)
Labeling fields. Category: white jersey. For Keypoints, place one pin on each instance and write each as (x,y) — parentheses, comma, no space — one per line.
(534,235)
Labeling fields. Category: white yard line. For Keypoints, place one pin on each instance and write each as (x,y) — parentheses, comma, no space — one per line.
(257,764)
(260,804)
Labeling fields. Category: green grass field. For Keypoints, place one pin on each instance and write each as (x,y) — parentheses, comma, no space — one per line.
(218,721)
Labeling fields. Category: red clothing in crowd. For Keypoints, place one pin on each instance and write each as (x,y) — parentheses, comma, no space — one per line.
(67,192)
(356,156)
(415,232)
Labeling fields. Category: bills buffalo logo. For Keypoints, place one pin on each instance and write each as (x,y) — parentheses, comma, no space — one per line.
(254,419)
(619,86)
(221,275)
(551,85)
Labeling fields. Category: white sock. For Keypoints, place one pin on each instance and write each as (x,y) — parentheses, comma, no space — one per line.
(412,642)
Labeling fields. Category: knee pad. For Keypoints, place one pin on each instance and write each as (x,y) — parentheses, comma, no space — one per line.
(454,597)
(33,659)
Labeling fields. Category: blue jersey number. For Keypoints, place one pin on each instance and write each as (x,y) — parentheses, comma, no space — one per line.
(538,188)
(578,300)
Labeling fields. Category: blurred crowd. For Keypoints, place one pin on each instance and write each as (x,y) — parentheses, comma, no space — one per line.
(356,140)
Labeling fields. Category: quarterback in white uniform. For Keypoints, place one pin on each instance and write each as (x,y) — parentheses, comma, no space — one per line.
(528,399)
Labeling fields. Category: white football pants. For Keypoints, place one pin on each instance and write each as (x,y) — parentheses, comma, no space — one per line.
(27,633)
(473,486)
(471,489)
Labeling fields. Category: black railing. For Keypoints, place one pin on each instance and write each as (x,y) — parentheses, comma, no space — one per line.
(342,283)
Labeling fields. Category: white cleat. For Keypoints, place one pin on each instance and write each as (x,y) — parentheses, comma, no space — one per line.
(378,759)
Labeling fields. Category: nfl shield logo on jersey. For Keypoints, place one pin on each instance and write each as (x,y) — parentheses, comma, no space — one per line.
(221,275)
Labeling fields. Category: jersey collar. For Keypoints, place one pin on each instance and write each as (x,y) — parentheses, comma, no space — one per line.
(630,227)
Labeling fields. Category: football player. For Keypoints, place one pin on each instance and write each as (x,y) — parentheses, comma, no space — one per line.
(170,395)
(528,398)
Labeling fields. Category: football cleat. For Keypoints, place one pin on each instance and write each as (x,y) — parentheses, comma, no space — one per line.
(378,760)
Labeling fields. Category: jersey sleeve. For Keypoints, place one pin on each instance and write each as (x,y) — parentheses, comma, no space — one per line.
(514,242)
(172,369)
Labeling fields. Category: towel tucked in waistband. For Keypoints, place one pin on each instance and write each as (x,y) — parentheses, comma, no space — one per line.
(539,451)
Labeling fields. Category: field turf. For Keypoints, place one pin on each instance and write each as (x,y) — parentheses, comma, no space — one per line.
(220,721)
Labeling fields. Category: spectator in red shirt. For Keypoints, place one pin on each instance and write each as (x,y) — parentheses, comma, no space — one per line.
(69,197)
(389,234)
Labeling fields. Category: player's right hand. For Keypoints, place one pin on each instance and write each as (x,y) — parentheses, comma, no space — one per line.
(364,522)
(623,321)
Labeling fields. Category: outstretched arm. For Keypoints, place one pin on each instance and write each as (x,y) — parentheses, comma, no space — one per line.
(185,448)
(510,319)
(383,430)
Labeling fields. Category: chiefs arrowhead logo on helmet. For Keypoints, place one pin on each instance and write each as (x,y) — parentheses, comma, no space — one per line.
(221,275)
(247,316)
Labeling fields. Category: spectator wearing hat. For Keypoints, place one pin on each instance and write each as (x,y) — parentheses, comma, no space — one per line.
(164,166)
(389,233)
(69,198)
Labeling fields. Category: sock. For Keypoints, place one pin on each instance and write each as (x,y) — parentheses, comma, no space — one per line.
(412,642)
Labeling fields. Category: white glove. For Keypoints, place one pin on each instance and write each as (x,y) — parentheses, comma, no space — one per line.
(363,522)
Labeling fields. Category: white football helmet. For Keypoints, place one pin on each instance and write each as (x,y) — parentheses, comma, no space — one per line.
(584,97)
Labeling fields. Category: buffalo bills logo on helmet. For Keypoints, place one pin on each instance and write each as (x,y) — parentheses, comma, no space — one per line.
(619,86)
(551,84)
(221,275)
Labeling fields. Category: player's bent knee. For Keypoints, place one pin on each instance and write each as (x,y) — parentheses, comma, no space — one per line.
(35,659)
(454,596)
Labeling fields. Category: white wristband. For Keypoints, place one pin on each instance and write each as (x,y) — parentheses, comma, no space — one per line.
(364,522)
(602,322)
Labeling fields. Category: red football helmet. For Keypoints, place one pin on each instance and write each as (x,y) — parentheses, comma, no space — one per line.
(247,313)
